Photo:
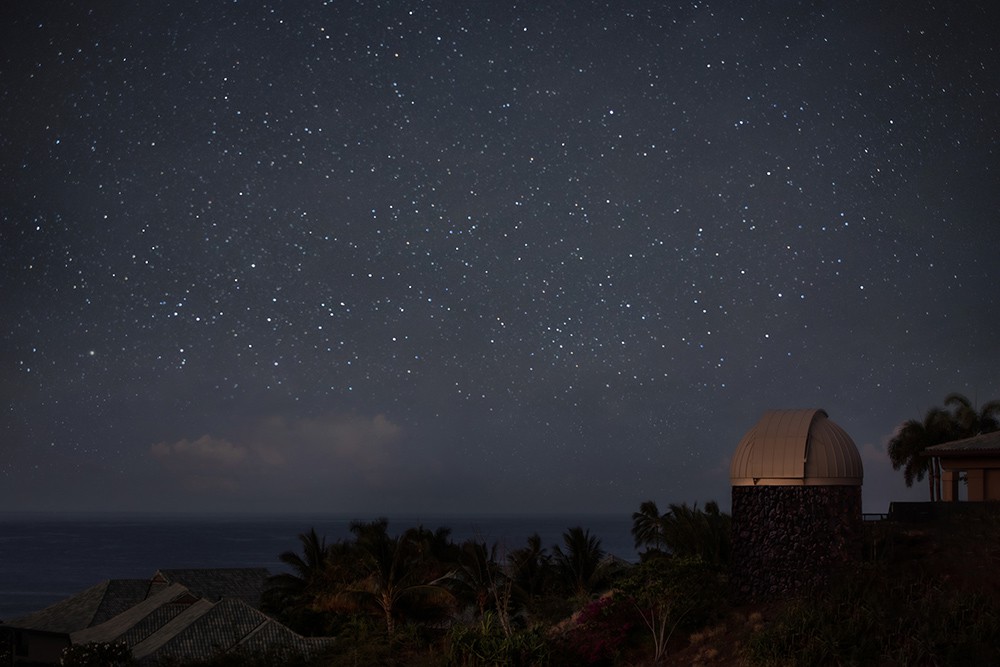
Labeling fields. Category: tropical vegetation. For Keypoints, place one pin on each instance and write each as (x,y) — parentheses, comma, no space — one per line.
(683,531)
(418,597)
(924,597)
(958,419)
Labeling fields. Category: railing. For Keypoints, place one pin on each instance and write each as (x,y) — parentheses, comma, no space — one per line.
(931,511)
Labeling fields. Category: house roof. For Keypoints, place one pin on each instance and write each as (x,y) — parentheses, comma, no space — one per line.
(985,444)
(88,607)
(155,641)
(796,448)
(207,628)
(244,583)
(109,598)
(179,615)
(115,627)
(175,628)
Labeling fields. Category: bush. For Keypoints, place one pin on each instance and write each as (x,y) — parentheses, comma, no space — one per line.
(96,654)
(872,618)
(486,645)
(600,631)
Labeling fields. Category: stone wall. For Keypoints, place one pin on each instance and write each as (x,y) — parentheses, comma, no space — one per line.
(786,538)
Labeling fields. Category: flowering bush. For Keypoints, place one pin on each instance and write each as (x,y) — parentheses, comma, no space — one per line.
(600,630)
(96,654)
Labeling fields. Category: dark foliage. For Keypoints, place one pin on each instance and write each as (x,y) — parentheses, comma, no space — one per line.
(97,654)
(959,419)
(873,616)
(684,531)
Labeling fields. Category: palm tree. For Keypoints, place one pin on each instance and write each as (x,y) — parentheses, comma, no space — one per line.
(692,532)
(369,531)
(721,531)
(480,579)
(439,553)
(582,565)
(647,528)
(308,570)
(530,568)
(906,448)
(303,597)
(394,569)
(683,531)
(970,422)
(477,574)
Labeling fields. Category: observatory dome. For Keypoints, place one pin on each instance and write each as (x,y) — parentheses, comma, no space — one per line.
(796,448)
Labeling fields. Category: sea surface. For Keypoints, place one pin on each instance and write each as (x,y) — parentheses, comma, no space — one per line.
(47,557)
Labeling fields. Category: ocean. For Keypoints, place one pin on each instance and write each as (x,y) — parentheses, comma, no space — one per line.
(47,557)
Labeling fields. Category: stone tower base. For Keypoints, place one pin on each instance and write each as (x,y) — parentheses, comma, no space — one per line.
(787,538)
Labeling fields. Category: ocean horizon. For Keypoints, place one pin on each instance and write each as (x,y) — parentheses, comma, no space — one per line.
(46,557)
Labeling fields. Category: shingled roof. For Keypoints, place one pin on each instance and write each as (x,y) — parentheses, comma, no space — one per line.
(178,615)
(243,583)
(174,625)
(983,444)
(229,625)
(174,598)
(89,607)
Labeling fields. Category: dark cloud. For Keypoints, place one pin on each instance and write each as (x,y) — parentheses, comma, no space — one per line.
(278,454)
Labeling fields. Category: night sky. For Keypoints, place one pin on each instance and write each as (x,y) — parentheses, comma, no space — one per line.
(402,257)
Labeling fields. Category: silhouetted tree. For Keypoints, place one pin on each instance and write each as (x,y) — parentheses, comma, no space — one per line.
(582,565)
(395,573)
(299,597)
(968,421)
(648,528)
(906,448)
(683,531)
(704,534)
(475,574)
(480,580)
(533,576)
(307,569)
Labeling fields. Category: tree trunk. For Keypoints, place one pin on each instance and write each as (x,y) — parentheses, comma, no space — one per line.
(390,622)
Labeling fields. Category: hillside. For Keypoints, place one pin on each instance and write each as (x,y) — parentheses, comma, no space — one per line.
(928,593)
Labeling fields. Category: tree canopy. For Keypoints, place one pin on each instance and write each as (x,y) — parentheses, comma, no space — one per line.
(959,419)
(683,531)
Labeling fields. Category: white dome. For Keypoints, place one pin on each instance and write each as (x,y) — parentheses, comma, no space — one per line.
(796,448)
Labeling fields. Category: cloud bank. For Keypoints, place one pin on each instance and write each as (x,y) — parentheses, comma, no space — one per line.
(279,456)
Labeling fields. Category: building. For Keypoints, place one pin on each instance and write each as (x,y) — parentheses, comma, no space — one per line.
(977,460)
(796,483)
(31,647)
(177,615)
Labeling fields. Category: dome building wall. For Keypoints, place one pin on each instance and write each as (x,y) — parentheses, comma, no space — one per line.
(796,503)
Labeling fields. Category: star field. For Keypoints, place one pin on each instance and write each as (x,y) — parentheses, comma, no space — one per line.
(375,257)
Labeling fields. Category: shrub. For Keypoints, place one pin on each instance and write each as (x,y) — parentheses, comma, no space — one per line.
(871,618)
(96,654)
(486,645)
(600,630)
(671,593)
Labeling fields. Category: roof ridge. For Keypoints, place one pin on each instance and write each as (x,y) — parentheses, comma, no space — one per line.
(172,628)
(83,604)
(257,629)
(117,625)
